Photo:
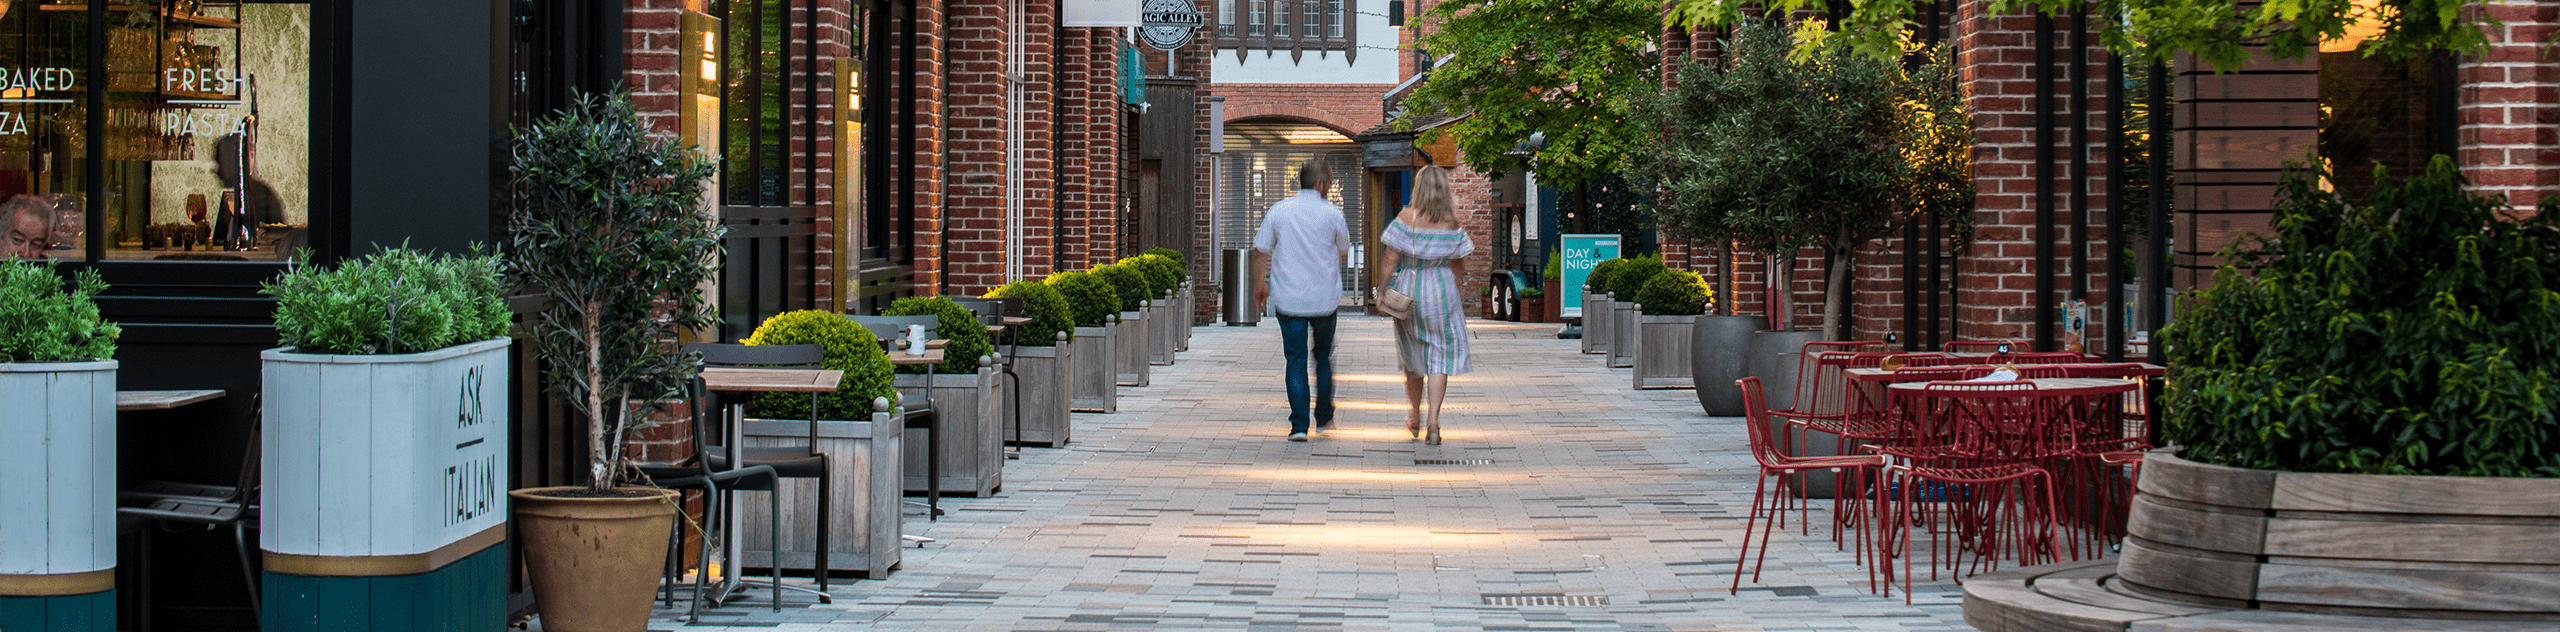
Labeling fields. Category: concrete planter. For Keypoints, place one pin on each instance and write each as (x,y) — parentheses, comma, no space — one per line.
(1595,323)
(970,415)
(58,514)
(1167,332)
(1130,355)
(1719,347)
(865,464)
(1042,375)
(1093,375)
(1190,301)
(386,473)
(1622,334)
(1662,351)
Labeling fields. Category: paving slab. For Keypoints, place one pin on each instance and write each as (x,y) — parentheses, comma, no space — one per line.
(1561,500)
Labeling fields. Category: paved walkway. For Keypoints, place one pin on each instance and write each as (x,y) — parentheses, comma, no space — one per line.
(1604,507)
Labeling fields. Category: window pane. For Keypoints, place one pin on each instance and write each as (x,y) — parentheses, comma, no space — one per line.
(1334,26)
(41,211)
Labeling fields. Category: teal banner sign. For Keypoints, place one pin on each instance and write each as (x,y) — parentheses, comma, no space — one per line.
(1580,253)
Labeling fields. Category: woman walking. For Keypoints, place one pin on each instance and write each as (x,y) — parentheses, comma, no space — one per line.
(1426,250)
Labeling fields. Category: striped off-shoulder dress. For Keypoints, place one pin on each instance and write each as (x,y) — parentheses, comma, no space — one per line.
(1435,339)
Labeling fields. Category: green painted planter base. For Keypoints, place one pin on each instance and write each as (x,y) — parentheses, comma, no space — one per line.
(469,595)
(93,612)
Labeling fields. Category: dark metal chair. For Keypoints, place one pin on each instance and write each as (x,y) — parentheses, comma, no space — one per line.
(165,503)
(711,476)
(992,312)
(787,461)
(918,415)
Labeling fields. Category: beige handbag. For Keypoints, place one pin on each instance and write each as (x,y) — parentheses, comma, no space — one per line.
(1395,304)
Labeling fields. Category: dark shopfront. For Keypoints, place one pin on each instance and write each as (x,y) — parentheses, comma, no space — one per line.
(354,124)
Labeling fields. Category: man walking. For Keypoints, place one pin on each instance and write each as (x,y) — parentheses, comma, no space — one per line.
(1300,249)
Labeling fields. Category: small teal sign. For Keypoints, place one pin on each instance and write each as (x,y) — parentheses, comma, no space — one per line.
(1580,253)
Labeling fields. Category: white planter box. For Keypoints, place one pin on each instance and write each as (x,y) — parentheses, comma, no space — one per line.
(1622,334)
(865,464)
(1130,357)
(1663,351)
(58,454)
(1042,379)
(970,416)
(1190,310)
(384,457)
(1093,375)
(1166,334)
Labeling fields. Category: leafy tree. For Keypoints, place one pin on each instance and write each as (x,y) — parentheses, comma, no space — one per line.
(1782,146)
(1570,69)
(2155,30)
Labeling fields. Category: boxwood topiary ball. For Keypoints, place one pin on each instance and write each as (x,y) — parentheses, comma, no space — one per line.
(1181,265)
(1092,298)
(1675,293)
(850,348)
(1597,281)
(1048,310)
(1161,279)
(1128,283)
(968,336)
(1630,277)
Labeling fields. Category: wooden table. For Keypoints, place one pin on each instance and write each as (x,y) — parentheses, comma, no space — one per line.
(1016,321)
(163,400)
(746,380)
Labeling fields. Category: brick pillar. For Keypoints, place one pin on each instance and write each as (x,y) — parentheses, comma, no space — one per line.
(931,148)
(1074,56)
(2509,105)
(976,227)
(1037,27)
(1997,276)
(2234,134)
(649,59)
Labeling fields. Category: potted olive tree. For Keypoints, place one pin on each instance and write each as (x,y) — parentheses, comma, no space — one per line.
(1043,362)
(58,376)
(609,224)
(2358,400)
(416,341)
(865,450)
(967,409)
(1094,375)
(1131,341)
(1672,302)
(1780,146)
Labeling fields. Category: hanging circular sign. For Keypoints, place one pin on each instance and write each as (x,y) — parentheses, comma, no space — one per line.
(1168,24)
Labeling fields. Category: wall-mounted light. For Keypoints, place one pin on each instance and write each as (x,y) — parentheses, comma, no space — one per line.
(1395,12)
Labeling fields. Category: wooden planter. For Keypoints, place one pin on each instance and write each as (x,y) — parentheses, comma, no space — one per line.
(1533,309)
(1042,375)
(1094,375)
(1165,335)
(971,418)
(1622,334)
(1663,350)
(1595,323)
(386,474)
(1190,311)
(1554,302)
(2396,546)
(865,460)
(1130,343)
(58,513)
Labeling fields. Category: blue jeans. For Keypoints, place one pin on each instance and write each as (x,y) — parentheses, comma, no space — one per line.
(1293,343)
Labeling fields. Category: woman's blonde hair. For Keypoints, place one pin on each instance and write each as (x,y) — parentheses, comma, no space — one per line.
(1431,195)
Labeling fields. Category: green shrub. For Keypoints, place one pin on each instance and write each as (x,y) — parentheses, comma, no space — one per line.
(1597,281)
(1048,310)
(1555,266)
(1630,277)
(1128,283)
(1675,293)
(1155,271)
(2416,333)
(40,322)
(1181,264)
(850,348)
(391,302)
(968,336)
(1091,297)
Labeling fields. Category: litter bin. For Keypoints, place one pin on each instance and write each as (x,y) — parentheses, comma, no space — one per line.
(1236,299)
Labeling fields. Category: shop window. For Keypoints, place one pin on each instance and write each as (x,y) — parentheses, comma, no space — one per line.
(193,147)
(1294,26)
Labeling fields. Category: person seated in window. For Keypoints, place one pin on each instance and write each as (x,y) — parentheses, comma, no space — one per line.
(238,226)
(30,224)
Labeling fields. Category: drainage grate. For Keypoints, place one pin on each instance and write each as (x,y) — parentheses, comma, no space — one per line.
(1546,600)
(1453,461)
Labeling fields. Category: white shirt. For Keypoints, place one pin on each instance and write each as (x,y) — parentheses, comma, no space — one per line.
(1305,238)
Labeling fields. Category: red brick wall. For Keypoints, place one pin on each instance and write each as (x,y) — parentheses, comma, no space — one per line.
(2510,105)
(1996,277)
(1347,108)
(975,239)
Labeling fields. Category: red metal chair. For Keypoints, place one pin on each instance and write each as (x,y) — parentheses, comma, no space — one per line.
(1773,463)
(1989,475)
(1821,373)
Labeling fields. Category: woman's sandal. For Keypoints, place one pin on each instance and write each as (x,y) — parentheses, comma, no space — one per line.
(1413,426)
(1434,438)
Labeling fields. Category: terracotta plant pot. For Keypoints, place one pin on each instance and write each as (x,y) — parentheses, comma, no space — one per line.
(594,562)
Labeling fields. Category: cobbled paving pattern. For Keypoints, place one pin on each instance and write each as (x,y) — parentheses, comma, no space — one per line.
(1561,500)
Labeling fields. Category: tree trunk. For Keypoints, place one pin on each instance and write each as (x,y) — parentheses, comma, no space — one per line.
(1780,282)
(1581,212)
(1724,277)
(1835,293)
